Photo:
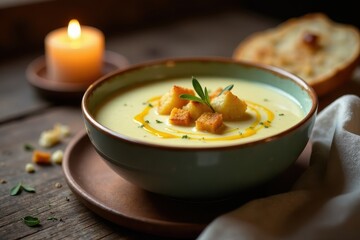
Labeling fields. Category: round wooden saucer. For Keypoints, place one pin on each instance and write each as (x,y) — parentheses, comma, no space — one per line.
(67,91)
(113,198)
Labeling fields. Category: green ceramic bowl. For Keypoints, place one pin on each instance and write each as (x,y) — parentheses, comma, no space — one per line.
(199,172)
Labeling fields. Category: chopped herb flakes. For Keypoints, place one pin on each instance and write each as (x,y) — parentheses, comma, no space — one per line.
(158,121)
(185,137)
(266,124)
(281,114)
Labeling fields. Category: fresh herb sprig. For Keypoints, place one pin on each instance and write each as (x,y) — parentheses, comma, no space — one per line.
(18,187)
(203,94)
(227,88)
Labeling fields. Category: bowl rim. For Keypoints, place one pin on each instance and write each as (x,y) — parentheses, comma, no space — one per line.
(223,60)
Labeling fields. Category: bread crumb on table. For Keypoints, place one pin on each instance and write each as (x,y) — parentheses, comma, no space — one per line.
(57,156)
(41,157)
(30,168)
(53,136)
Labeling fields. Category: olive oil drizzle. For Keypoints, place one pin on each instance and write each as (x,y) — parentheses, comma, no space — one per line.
(258,124)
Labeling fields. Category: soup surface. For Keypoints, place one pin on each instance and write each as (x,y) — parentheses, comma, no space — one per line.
(132,112)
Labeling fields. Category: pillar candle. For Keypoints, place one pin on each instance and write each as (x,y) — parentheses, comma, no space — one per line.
(74,54)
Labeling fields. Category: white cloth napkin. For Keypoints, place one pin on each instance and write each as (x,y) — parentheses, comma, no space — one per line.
(325,201)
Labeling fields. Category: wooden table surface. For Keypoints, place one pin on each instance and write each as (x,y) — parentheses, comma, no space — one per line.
(24,114)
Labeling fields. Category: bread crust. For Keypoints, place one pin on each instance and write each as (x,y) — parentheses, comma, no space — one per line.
(322,52)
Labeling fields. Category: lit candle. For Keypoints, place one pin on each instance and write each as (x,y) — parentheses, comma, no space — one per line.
(74,54)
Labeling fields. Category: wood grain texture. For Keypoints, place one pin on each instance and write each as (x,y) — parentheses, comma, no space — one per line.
(74,220)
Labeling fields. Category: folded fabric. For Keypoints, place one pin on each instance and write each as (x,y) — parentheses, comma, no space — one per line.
(325,201)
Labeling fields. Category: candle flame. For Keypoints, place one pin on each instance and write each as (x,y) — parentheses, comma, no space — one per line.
(74,30)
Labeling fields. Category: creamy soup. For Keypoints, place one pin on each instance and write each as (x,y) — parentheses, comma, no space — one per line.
(133,112)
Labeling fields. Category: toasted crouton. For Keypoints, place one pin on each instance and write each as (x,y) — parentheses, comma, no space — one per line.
(196,109)
(172,99)
(180,117)
(229,105)
(41,157)
(210,122)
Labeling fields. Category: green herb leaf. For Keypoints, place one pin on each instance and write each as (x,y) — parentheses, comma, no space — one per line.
(158,121)
(31,221)
(16,189)
(198,88)
(28,188)
(29,147)
(191,98)
(204,95)
(227,88)
(207,98)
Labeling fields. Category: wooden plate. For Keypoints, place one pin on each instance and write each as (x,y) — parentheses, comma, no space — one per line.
(67,91)
(110,196)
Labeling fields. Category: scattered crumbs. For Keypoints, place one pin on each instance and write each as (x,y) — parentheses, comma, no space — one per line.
(41,157)
(30,168)
(58,185)
(3,181)
(53,136)
(57,156)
